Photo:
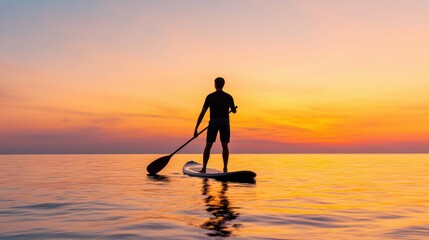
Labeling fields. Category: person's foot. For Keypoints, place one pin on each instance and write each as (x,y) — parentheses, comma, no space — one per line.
(225,169)
(203,170)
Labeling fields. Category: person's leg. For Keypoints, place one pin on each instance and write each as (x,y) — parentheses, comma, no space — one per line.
(225,156)
(224,131)
(211,138)
(206,156)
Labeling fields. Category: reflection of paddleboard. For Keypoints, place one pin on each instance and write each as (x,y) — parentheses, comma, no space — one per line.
(192,168)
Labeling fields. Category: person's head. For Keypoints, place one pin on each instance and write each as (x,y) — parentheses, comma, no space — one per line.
(219,82)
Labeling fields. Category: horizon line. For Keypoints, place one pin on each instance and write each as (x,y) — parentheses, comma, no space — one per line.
(215,153)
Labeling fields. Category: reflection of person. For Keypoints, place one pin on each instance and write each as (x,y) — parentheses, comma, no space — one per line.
(220,209)
(219,103)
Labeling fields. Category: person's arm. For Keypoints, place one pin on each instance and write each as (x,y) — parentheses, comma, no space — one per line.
(200,118)
(232,106)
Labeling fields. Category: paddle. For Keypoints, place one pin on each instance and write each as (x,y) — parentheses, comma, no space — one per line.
(161,162)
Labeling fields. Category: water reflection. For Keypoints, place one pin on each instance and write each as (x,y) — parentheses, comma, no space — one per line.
(220,209)
(158,178)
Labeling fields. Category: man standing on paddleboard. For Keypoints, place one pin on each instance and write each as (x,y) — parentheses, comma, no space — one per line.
(219,103)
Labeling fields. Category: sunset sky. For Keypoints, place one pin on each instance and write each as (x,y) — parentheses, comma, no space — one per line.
(104,76)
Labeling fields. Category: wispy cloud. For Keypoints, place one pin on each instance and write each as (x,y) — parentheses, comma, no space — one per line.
(83,140)
(86,113)
(8,95)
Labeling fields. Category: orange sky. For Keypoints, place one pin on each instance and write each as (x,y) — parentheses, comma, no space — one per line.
(131,77)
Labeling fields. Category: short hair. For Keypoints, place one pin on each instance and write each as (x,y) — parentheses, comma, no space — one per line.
(219,82)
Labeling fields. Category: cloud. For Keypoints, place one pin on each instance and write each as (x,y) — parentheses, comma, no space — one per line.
(98,140)
(100,119)
(267,146)
(8,95)
(79,140)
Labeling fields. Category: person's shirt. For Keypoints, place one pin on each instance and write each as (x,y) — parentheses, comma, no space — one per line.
(219,103)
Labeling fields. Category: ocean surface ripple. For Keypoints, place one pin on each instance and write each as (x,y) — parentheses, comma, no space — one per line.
(295,196)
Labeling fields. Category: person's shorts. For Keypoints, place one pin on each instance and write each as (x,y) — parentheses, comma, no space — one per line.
(220,125)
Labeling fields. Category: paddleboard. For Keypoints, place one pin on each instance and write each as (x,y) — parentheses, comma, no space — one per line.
(192,169)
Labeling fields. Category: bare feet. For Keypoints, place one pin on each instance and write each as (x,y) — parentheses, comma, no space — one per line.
(225,169)
(203,170)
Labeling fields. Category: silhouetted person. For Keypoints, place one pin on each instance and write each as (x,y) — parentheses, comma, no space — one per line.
(219,103)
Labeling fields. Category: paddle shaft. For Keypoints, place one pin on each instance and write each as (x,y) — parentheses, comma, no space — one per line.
(190,140)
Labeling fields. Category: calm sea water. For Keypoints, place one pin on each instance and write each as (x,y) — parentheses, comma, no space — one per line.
(327,196)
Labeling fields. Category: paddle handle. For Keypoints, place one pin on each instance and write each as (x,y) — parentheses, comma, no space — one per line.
(190,140)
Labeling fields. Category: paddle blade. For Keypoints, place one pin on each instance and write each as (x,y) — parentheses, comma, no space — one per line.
(158,165)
